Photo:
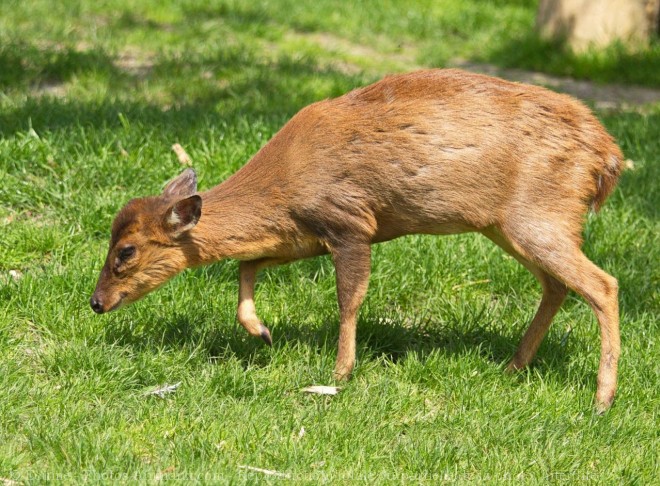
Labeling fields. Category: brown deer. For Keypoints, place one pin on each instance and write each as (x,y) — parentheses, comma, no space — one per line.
(435,152)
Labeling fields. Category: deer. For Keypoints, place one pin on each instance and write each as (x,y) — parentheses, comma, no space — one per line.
(438,151)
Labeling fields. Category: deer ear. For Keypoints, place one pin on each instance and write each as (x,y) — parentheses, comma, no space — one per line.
(183,215)
(182,186)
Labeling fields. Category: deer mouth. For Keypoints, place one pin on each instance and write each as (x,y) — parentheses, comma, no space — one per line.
(119,303)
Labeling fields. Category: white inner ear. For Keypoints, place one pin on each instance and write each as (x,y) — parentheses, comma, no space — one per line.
(174,218)
(185,228)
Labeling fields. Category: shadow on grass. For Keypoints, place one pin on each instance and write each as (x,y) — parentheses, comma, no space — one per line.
(393,339)
(24,64)
(175,94)
(241,16)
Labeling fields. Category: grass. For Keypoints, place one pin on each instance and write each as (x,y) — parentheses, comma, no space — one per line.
(91,101)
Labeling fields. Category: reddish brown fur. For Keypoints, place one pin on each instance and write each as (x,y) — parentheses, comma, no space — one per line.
(439,152)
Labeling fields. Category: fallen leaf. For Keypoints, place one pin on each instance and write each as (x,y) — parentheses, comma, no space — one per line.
(269,472)
(322,390)
(163,390)
(181,154)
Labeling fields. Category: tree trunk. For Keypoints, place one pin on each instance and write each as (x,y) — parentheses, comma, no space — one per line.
(597,23)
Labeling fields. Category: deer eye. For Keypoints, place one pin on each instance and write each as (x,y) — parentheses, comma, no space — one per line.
(126,253)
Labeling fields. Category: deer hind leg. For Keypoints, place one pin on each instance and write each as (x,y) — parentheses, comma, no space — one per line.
(559,255)
(352,267)
(554,294)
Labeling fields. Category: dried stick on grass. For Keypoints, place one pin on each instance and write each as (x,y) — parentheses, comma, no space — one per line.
(182,155)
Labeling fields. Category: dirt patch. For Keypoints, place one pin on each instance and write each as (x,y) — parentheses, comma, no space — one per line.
(135,62)
(603,96)
(55,89)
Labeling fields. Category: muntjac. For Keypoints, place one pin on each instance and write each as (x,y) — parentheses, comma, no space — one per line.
(434,152)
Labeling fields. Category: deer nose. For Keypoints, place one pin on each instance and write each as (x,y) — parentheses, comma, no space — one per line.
(96,304)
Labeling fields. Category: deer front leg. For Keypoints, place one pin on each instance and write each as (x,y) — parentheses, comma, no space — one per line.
(352,267)
(247,314)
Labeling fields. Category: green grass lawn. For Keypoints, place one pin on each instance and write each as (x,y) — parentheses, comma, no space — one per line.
(93,95)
